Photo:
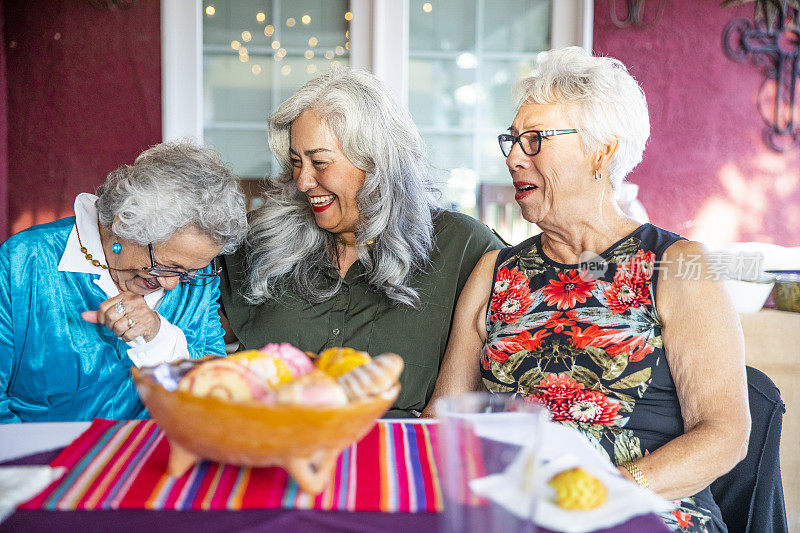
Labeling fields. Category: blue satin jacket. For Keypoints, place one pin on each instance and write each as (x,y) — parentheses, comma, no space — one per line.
(55,366)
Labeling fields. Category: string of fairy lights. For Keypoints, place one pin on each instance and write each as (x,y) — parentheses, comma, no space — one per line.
(242,42)
(246,40)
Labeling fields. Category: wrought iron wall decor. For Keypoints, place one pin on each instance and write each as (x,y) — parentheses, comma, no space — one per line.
(636,14)
(775,46)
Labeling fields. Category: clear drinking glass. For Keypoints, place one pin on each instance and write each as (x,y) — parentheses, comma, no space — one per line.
(481,435)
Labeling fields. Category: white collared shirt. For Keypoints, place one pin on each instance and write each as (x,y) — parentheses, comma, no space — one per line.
(169,343)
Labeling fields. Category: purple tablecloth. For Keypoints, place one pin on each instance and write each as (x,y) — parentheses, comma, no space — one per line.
(250,520)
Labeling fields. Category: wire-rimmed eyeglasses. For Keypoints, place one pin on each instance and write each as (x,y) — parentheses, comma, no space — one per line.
(190,278)
(530,141)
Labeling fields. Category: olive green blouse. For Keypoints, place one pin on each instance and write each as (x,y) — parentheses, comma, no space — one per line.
(360,318)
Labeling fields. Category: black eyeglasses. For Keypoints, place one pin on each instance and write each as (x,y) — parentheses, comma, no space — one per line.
(190,278)
(530,141)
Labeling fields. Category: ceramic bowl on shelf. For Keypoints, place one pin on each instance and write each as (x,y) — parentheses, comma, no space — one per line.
(787,290)
(303,440)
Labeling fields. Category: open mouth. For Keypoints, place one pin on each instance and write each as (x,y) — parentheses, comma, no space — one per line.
(150,285)
(321,203)
(523,189)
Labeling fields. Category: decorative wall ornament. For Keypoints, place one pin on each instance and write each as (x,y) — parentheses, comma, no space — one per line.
(771,41)
(636,14)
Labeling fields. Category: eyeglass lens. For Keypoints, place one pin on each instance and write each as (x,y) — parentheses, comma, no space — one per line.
(528,141)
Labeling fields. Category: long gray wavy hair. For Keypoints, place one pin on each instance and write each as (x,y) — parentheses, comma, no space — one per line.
(396,203)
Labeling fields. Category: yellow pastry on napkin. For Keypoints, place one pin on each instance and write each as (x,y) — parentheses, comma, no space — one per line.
(578,490)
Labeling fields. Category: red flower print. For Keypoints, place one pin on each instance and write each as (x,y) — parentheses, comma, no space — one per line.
(559,381)
(568,289)
(559,321)
(593,407)
(500,350)
(613,341)
(514,300)
(568,400)
(509,279)
(684,519)
(640,266)
(627,292)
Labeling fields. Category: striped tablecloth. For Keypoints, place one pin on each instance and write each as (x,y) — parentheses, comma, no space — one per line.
(122,465)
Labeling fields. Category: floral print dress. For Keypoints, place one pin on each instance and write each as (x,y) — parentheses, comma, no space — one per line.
(585,340)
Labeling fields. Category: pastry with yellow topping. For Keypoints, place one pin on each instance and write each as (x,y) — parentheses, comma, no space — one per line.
(269,368)
(338,361)
(578,490)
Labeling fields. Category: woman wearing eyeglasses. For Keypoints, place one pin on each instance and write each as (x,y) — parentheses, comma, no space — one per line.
(599,317)
(127,281)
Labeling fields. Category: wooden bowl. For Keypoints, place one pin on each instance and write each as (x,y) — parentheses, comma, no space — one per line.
(305,441)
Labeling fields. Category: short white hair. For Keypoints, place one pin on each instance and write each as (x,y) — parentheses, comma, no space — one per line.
(169,187)
(604,102)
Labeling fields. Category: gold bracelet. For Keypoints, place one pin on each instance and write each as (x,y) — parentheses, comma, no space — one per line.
(637,474)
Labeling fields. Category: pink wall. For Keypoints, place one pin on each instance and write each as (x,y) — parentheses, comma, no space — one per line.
(706,172)
(84,96)
(3,135)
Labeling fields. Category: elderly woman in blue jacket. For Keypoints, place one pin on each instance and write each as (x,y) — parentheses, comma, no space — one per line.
(129,280)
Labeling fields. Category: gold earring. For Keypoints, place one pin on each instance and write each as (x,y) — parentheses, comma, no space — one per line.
(598,175)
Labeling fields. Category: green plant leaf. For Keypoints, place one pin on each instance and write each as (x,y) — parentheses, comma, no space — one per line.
(633,380)
(587,377)
(493,386)
(657,342)
(531,378)
(627,448)
(504,371)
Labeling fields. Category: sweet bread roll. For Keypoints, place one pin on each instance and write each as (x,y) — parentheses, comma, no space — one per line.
(338,361)
(267,367)
(576,489)
(374,377)
(223,379)
(313,389)
(297,361)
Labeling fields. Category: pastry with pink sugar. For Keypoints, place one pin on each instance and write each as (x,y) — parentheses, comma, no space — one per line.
(297,361)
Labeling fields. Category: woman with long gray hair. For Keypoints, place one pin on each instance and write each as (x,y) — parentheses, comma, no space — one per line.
(350,247)
(128,280)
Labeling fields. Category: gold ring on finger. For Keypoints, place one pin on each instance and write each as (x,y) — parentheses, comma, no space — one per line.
(131,322)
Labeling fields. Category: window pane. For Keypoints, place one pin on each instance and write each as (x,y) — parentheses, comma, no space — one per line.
(440,93)
(442,24)
(499,76)
(231,90)
(464,57)
(255,55)
(515,25)
(246,151)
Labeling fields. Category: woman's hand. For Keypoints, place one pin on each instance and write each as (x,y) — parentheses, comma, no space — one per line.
(128,316)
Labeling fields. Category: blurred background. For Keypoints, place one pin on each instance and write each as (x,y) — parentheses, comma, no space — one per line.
(85,85)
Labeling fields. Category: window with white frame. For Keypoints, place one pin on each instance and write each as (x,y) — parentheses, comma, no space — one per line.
(452,61)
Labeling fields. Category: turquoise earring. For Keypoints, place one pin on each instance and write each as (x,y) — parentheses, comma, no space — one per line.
(116,247)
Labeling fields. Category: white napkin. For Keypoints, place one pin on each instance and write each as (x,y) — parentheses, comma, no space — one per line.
(514,490)
(21,483)
(554,440)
